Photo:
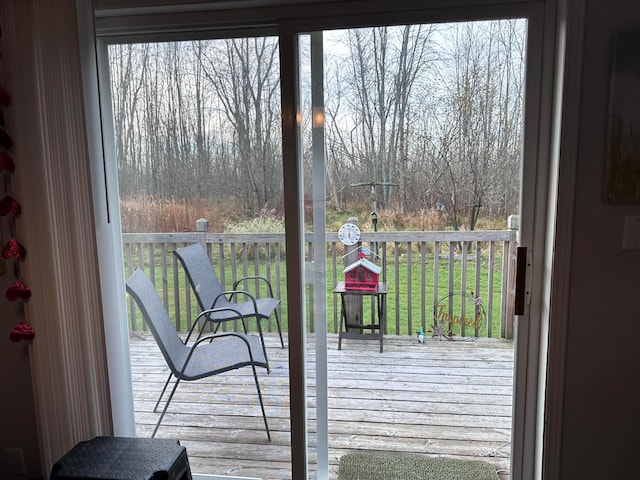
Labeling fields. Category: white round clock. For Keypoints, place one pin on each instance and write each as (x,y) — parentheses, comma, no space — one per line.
(349,234)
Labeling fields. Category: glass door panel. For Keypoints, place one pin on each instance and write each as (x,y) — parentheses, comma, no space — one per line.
(414,134)
(198,153)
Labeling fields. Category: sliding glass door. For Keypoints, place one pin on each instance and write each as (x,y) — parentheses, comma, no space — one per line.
(416,129)
(259,144)
(196,129)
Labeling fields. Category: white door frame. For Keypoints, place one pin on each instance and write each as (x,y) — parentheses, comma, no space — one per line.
(538,185)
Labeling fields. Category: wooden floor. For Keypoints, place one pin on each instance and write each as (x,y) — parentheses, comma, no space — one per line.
(440,398)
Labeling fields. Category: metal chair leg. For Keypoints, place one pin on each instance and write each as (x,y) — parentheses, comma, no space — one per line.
(264,414)
(166,384)
(166,405)
(264,347)
(279,327)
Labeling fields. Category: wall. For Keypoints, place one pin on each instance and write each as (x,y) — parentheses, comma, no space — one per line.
(17,410)
(601,414)
(68,361)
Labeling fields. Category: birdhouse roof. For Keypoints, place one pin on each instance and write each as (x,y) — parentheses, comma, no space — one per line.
(363,262)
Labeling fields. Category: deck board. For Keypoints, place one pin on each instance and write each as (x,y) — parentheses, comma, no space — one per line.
(439,398)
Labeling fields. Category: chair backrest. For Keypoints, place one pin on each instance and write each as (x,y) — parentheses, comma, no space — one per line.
(201,276)
(144,293)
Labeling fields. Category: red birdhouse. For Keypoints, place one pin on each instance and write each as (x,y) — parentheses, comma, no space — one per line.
(362,275)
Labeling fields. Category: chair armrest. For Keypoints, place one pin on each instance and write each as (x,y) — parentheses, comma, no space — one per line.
(192,328)
(254,277)
(234,293)
(205,313)
(212,338)
(220,309)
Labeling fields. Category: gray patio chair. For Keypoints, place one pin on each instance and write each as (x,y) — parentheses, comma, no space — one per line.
(210,294)
(209,355)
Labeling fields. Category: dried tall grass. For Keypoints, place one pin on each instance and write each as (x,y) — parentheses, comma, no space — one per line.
(146,214)
(152,214)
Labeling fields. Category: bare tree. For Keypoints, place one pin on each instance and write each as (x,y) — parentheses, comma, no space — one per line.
(244,74)
(374,102)
(126,96)
(435,110)
(483,126)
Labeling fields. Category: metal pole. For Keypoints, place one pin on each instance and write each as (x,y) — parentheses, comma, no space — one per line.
(374,221)
(374,202)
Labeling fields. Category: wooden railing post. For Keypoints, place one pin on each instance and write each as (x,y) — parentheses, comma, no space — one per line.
(202,228)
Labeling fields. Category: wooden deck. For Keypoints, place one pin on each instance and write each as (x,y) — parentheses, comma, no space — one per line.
(440,398)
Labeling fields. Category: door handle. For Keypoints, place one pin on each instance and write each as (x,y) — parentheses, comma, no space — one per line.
(521,280)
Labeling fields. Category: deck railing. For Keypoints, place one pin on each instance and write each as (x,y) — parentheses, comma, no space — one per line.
(421,268)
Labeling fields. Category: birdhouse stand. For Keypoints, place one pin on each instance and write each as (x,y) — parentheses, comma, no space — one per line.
(362,275)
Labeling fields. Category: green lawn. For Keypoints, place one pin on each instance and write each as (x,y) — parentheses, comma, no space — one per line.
(410,305)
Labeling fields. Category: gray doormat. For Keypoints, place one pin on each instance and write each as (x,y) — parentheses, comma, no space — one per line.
(357,466)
